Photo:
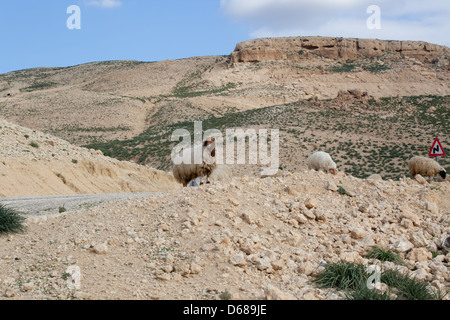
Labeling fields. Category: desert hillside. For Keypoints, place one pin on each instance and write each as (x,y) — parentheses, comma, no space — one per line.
(372,104)
(36,164)
(102,127)
(249,238)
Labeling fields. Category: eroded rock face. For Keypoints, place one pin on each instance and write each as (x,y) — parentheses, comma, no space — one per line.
(298,48)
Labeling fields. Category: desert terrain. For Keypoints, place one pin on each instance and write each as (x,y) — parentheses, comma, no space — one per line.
(128,109)
(105,127)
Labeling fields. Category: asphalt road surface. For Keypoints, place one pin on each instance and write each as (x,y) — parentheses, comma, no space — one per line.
(56,204)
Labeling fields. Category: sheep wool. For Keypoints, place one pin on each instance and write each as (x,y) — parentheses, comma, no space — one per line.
(187,171)
(425,167)
(321,161)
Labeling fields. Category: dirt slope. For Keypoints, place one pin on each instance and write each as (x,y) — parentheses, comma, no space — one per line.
(36,164)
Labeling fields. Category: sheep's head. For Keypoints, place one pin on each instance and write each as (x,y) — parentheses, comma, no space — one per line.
(209,149)
(208,141)
(332,171)
(443,174)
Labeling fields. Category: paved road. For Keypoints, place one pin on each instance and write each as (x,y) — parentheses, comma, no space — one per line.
(52,204)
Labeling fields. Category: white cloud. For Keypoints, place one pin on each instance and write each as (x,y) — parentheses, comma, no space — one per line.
(105,3)
(400,19)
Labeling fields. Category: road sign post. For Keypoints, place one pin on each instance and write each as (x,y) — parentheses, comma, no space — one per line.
(436,151)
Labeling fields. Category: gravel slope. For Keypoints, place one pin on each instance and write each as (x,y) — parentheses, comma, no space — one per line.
(36,206)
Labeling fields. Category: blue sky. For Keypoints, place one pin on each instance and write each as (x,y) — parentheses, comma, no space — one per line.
(34,33)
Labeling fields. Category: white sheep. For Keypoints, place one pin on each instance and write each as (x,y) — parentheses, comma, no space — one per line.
(187,171)
(321,161)
(425,167)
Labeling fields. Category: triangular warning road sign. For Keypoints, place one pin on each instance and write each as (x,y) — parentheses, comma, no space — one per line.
(436,149)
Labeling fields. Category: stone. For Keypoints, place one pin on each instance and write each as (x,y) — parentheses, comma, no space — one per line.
(420,179)
(100,249)
(301,218)
(406,212)
(375,177)
(311,203)
(307,268)
(357,233)
(237,260)
(403,246)
(332,186)
(292,191)
(164,276)
(310,215)
(262,263)
(183,269)
(249,217)
(273,293)
(432,207)
(9,293)
(234,202)
(418,239)
(419,254)
(365,208)
(28,286)
(420,274)
(53,274)
(350,257)
(277,265)
(195,268)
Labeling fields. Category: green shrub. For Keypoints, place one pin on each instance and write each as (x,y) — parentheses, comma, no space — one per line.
(225,296)
(352,279)
(342,275)
(384,255)
(342,191)
(11,221)
(408,287)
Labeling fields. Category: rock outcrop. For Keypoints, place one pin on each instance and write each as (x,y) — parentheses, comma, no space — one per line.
(298,48)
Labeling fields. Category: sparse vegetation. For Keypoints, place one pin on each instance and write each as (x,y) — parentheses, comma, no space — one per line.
(11,221)
(352,278)
(39,86)
(393,141)
(34,144)
(342,191)
(225,296)
(384,255)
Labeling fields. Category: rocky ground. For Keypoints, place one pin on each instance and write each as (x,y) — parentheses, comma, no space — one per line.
(254,238)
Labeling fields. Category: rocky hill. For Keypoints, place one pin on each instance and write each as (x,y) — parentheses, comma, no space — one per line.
(300,48)
(129,109)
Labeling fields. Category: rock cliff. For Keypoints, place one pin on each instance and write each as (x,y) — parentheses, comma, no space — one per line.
(298,48)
